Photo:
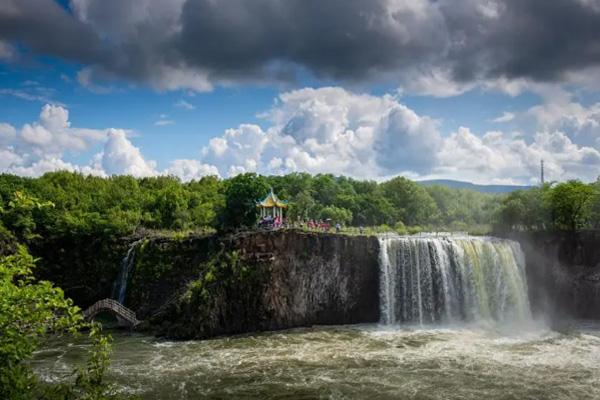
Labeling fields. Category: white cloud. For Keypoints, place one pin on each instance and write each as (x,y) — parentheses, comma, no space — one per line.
(184,104)
(434,82)
(335,131)
(29,95)
(121,157)
(497,157)
(164,122)
(562,113)
(39,147)
(189,170)
(505,117)
(7,133)
(327,130)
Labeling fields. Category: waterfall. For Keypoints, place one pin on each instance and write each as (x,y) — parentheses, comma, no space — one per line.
(451,279)
(120,285)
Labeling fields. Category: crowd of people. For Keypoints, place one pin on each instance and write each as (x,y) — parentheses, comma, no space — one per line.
(269,222)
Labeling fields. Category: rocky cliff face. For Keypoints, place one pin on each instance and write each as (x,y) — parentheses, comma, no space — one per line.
(203,287)
(198,287)
(563,273)
(316,278)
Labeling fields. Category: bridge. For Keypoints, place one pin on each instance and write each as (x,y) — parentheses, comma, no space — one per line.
(124,315)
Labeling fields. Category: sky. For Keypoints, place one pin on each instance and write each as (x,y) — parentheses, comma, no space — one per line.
(474,90)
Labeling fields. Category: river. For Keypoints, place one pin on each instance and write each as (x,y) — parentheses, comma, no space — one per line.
(362,362)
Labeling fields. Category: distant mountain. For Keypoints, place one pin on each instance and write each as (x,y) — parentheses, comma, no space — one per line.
(468,185)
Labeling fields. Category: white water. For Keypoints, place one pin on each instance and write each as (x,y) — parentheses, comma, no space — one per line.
(451,279)
(352,362)
(120,286)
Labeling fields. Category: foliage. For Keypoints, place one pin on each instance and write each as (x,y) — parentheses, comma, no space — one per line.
(225,290)
(20,211)
(121,205)
(241,194)
(570,205)
(30,310)
(336,214)
(412,202)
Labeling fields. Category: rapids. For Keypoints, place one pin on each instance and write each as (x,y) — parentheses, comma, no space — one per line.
(362,362)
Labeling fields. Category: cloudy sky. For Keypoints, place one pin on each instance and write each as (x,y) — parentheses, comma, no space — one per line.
(477,90)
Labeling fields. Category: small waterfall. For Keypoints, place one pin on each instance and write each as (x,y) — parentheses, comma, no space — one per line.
(120,285)
(451,279)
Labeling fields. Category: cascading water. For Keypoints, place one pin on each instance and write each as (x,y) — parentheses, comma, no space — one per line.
(120,285)
(450,279)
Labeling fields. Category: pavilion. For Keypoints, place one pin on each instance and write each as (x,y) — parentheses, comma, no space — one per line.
(271,206)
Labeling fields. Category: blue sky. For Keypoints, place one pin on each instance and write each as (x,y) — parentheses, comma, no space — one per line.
(190,88)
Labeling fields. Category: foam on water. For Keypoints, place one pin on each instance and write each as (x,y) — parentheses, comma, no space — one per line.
(372,361)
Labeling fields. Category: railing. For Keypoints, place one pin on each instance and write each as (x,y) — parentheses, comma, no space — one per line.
(113,306)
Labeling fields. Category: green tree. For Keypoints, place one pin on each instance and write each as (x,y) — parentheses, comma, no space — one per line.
(241,194)
(570,205)
(414,206)
(19,215)
(30,311)
(302,206)
(336,214)
(595,205)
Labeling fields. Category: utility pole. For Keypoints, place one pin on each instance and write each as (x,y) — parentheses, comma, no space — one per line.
(542,171)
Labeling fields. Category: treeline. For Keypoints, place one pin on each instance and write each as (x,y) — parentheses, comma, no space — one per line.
(570,206)
(61,203)
(64,202)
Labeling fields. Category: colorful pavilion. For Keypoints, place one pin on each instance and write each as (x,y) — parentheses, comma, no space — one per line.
(271,206)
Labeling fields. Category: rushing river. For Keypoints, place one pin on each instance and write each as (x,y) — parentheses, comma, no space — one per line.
(362,362)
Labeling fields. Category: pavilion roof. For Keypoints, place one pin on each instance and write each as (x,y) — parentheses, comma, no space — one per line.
(271,200)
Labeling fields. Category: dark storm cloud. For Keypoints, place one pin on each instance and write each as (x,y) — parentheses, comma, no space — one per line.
(236,40)
(46,28)
(536,39)
(339,38)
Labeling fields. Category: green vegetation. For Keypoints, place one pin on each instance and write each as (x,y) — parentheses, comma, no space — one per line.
(567,206)
(118,206)
(225,290)
(109,207)
(31,311)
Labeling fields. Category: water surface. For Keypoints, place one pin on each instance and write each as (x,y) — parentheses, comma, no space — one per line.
(362,362)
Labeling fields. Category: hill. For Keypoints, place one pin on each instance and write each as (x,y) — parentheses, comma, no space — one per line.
(473,186)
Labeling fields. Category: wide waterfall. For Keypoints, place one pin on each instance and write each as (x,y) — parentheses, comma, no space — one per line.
(120,285)
(450,279)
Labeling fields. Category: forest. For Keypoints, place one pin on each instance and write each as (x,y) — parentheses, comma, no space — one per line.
(64,203)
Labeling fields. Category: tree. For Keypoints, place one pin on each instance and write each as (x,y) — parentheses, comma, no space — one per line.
(19,215)
(241,194)
(570,204)
(595,205)
(31,310)
(414,206)
(336,214)
(302,206)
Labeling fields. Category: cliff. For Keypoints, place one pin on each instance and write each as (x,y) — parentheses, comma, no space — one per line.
(563,273)
(257,281)
(203,286)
